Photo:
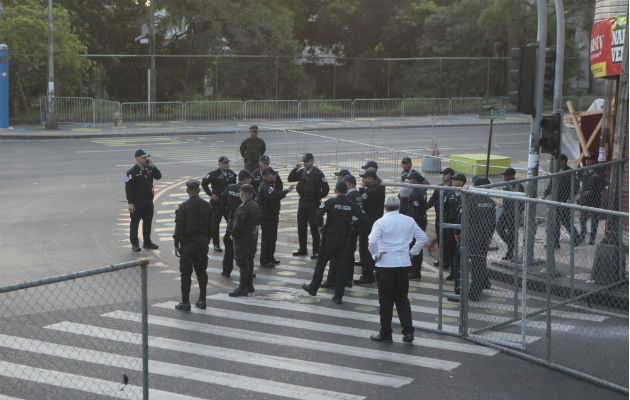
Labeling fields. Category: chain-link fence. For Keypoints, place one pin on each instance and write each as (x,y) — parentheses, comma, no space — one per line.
(52,339)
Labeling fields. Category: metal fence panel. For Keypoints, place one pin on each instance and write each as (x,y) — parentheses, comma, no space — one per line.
(378,108)
(424,107)
(325,109)
(272,110)
(204,112)
(53,343)
(107,112)
(150,112)
(465,105)
(70,110)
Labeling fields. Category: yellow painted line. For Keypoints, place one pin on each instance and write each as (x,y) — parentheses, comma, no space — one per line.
(122,223)
(148,124)
(309,300)
(85,130)
(296,262)
(448,305)
(162,220)
(275,283)
(359,294)
(159,264)
(286,273)
(123,219)
(365,308)
(165,238)
(287,229)
(169,271)
(169,229)
(166,211)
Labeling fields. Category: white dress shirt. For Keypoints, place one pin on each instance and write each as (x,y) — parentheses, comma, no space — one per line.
(390,237)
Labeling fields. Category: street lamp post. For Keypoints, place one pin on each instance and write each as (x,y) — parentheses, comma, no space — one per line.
(51,117)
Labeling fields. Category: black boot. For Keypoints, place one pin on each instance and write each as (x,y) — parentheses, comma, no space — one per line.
(238,292)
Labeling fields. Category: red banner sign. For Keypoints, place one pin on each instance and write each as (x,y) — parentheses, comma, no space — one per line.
(607,46)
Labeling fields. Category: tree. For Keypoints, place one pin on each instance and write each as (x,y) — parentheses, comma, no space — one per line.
(25,30)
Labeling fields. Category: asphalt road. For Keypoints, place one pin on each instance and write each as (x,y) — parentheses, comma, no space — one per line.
(65,211)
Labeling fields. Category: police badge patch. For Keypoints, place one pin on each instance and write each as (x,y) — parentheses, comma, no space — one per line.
(128,178)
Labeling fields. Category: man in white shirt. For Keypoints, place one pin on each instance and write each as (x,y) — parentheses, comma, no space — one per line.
(388,244)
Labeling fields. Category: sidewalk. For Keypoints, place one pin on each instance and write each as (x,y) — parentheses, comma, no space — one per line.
(70,131)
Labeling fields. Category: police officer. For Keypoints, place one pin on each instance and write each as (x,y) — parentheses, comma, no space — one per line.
(245,237)
(506,223)
(403,194)
(269,206)
(593,184)
(434,201)
(230,200)
(373,199)
(193,227)
(336,239)
(218,179)
(482,217)
(312,188)
(252,149)
(139,193)
(257,175)
(341,174)
(417,209)
(452,208)
(354,196)
(563,214)
(372,165)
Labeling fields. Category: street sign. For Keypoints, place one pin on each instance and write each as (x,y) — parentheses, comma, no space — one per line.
(488,113)
(492,102)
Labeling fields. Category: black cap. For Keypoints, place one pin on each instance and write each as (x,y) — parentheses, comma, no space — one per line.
(369,173)
(247,188)
(343,172)
(448,170)
(509,172)
(406,160)
(192,185)
(480,180)
(341,187)
(264,159)
(244,174)
(141,153)
(308,157)
(350,179)
(223,159)
(370,164)
(460,177)
(564,157)
(416,176)
(268,170)
(590,156)
(253,128)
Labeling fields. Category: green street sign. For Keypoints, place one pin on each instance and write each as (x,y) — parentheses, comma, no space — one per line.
(487,113)
(492,102)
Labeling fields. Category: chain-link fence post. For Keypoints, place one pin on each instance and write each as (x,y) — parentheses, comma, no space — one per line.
(524,275)
(441,258)
(621,259)
(572,252)
(145,333)
(517,221)
(463,269)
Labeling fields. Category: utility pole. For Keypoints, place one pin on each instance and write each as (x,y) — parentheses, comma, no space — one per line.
(51,117)
(153,89)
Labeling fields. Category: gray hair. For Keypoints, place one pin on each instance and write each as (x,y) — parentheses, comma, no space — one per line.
(392,203)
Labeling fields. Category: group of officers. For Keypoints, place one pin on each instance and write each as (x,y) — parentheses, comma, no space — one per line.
(252,198)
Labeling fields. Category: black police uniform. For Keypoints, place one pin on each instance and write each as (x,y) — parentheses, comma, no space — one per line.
(593,184)
(434,201)
(139,192)
(312,188)
(230,200)
(452,209)
(336,240)
(373,199)
(245,233)
(257,180)
(404,192)
(269,213)
(417,209)
(251,150)
(563,214)
(218,181)
(193,226)
(506,223)
(482,217)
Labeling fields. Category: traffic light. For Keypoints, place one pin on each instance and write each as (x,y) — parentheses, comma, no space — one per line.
(550,134)
(550,71)
(521,78)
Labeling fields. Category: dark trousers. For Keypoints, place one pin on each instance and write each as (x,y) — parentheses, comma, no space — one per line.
(244,252)
(336,250)
(269,235)
(354,235)
(584,217)
(448,243)
(505,229)
(216,220)
(194,255)
(479,278)
(393,287)
(563,216)
(367,262)
(306,218)
(228,255)
(144,213)
(416,261)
